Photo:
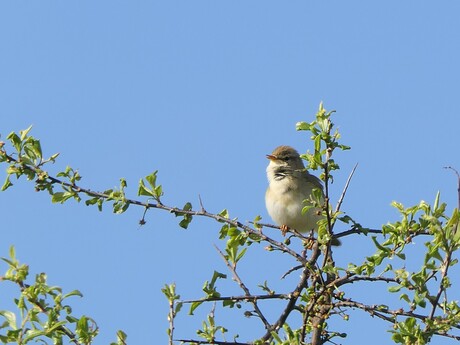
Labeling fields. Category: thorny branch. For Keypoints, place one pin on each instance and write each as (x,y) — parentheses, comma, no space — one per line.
(202,212)
(244,288)
(458,183)
(314,311)
(296,293)
(386,314)
(342,196)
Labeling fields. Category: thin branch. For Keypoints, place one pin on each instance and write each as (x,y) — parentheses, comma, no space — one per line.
(342,196)
(239,298)
(296,293)
(458,183)
(444,269)
(266,225)
(372,310)
(292,269)
(351,278)
(214,342)
(245,289)
(201,203)
(389,315)
(359,231)
(37,303)
(171,316)
(203,213)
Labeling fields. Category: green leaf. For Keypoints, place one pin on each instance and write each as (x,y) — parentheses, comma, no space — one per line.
(394,288)
(193,306)
(33,333)
(7,184)
(143,190)
(24,132)
(185,222)
(15,140)
(436,201)
(33,149)
(170,292)
(10,318)
(12,253)
(158,191)
(152,178)
(224,214)
(57,197)
(53,157)
(217,275)
(73,293)
(178,307)
(55,326)
(303,126)
(240,255)
(120,207)
(402,256)
(405,297)
(63,197)
(379,246)
(121,337)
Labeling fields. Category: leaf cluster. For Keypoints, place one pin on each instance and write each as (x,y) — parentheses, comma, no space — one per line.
(44,314)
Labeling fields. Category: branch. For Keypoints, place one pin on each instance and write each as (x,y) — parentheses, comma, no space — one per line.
(387,314)
(214,342)
(245,289)
(350,278)
(239,298)
(458,183)
(203,213)
(342,196)
(38,304)
(359,231)
(445,267)
(296,293)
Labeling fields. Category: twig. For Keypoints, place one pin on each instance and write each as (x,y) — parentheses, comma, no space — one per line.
(350,279)
(342,196)
(296,293)
(171,316)
(214,342)
(292,269)
(458,183)
(389,315)
(203,213)
(240,298)
(359,231)
(38,304)
(245,289)
(201,203)
(266,225)
(445,267)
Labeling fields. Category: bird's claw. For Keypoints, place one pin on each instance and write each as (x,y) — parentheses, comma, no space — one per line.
(284,229)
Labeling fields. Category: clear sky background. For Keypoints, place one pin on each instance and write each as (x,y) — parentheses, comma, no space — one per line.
(202,91)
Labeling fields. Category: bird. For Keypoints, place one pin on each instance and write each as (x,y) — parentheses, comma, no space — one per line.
(290,186)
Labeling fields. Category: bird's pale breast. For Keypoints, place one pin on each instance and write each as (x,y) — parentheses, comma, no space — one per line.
(285,204)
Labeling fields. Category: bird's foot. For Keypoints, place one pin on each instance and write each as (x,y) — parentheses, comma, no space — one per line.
(284,229)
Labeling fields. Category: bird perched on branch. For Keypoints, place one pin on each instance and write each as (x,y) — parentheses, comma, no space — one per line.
(290,186)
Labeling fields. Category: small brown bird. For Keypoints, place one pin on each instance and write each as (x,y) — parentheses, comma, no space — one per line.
(289,185)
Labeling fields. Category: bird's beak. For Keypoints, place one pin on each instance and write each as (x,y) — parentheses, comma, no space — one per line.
(272,158)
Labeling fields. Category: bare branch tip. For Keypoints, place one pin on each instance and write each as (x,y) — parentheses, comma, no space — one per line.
(201,204)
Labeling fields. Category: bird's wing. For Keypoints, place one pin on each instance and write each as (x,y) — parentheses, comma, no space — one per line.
(314,180)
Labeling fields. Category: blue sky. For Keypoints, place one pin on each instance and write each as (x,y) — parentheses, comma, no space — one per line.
(201,91)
